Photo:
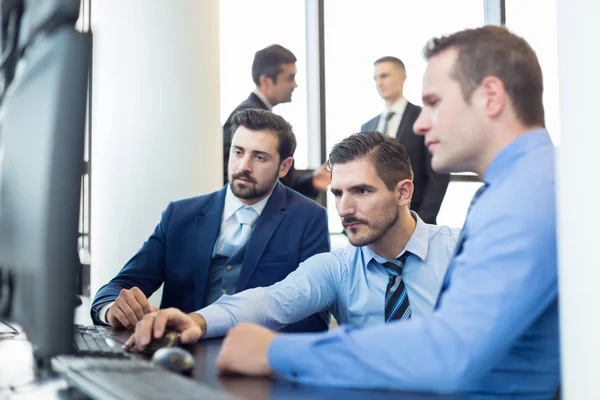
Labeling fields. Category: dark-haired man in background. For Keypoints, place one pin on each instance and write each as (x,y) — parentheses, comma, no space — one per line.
(253,232)
(397,120)
(274,74)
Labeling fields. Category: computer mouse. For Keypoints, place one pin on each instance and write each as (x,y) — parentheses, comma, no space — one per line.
(169,339)
(174,359)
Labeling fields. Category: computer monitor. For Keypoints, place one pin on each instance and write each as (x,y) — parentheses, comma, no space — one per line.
(42,126)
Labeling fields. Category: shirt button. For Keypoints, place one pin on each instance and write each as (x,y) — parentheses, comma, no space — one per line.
(224,291)
(229,268)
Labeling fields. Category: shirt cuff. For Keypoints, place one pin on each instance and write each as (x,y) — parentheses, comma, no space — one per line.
(217,321)
(101,315)
(289,355)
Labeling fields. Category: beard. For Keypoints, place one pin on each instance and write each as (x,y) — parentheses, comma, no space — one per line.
(252,189)
(371,230)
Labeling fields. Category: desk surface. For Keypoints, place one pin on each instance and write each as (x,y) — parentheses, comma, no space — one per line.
(19,373)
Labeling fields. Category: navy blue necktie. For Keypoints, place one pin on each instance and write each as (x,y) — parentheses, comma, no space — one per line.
(397,305)
(388,116)
(461,241)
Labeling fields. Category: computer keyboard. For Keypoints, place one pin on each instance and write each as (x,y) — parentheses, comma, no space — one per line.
(94,341)
(131,379)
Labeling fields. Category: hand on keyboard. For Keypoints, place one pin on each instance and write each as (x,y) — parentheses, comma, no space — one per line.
(152,327)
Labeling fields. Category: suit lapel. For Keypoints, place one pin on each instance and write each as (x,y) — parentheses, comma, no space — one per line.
(375,120)
(206,231)
(265,226)
(257,102)
(405,127)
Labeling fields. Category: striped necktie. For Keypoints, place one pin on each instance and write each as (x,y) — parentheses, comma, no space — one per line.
(397,306)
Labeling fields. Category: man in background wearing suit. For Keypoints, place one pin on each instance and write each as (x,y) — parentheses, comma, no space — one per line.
(274,73)
(253,232)
(397,119)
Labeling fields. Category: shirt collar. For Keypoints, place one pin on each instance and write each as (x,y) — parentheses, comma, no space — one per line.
(262,98)
(501,164)
(398,107)
(232,204)
(418,244)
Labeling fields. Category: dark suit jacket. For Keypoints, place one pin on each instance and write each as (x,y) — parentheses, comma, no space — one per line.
(290,229)
(430,187)
(300,183)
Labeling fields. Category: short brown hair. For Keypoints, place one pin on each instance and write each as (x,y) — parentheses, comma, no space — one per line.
(255,119)
(394,60)
(386,153)
(269,60)
(495,51)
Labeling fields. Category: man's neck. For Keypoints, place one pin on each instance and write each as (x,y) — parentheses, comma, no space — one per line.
(390,103)
(264,96)
(394,240)
(502,137)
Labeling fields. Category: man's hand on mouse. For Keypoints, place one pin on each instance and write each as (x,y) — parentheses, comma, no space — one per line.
(128,309)
(245,350)
(191,327)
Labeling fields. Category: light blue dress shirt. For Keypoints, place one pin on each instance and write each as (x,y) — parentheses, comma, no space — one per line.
(496,329)
(350,283)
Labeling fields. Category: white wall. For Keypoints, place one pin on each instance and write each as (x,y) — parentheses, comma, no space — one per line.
(578,217)
(156,134)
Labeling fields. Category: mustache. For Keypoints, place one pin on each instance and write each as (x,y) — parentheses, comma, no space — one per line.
(244,175)
(352,220)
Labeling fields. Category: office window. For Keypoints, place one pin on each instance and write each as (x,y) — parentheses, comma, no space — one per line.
(358,33)
(248,26)
(535,21)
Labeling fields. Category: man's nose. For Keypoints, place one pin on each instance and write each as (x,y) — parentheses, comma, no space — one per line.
(423,123)
(245,164)
(345,206)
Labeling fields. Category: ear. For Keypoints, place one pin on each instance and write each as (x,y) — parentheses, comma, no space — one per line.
(404,192)
(494,95)
(285,166)
(265,81)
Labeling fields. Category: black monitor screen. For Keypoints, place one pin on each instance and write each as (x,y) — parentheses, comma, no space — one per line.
(42,125)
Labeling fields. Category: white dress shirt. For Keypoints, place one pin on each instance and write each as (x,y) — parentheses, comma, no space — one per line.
(394,123)
(263,99)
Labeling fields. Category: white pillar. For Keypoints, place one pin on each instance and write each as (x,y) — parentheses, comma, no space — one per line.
(156,134)
(578,193)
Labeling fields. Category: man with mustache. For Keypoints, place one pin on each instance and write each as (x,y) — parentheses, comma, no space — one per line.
(253,232)
(393,269)
(274,74)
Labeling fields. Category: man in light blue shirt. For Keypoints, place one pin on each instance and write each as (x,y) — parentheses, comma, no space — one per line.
(372,185)
(495,329)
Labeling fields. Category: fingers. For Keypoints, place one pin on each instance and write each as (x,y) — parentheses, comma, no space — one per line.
(129,308)
(141,299)
(154,324)
(161,319)
(117,318)
(130,343)
(144,332)
(137,302)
